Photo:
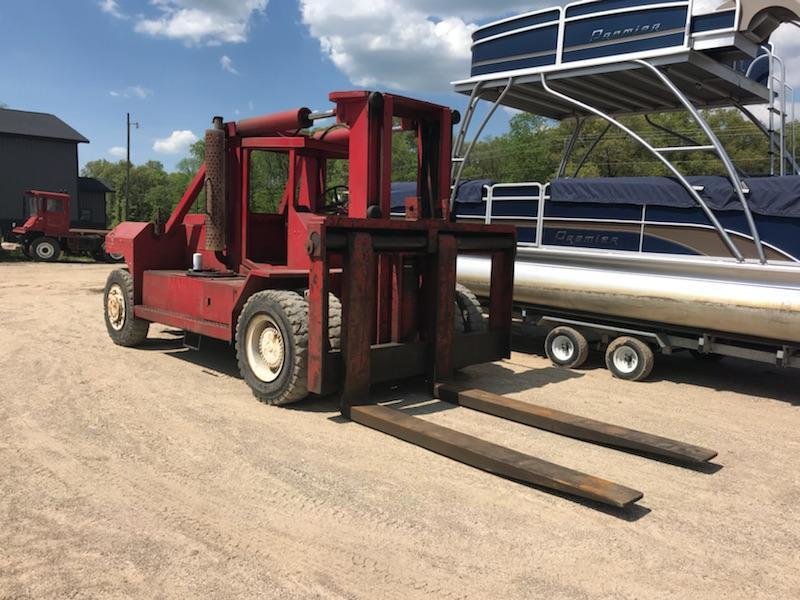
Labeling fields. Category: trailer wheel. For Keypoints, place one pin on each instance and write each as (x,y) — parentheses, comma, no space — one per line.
(629,358)
(468,317)
(272,346)
(123,326)
(566,347)
(45,249)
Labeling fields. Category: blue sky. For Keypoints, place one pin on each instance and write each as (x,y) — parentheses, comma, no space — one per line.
(91,61)
(173,64)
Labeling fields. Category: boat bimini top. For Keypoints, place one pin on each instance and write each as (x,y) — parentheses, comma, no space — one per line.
(606,58)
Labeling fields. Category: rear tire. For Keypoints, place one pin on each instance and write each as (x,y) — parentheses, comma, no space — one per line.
(566,347)
(124,328)
(468,316)
(45,249)
(272,346)
(630,359)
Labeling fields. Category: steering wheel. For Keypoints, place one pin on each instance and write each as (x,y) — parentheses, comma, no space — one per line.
(336,199)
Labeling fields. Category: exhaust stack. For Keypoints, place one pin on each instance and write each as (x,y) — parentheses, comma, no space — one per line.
(215,188)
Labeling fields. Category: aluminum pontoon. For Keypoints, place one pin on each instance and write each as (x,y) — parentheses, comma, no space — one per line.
(708,264)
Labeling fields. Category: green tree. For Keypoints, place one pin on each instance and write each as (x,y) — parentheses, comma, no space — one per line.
(197,154)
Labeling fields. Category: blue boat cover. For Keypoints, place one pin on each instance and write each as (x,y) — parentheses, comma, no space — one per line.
(774,196)
(470,191)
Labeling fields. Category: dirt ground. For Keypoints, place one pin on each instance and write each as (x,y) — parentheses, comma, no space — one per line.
(153,473)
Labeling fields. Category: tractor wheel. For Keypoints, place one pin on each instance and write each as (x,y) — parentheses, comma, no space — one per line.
(468,316)
(629,358)
(123,326)
(26,249)
(100,254)
(272,346)
(566,347)
(45,249)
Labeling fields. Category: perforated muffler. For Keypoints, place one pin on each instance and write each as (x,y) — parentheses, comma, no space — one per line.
(215,188)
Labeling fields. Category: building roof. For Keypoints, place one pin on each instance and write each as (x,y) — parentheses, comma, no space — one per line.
(33,124)
(90,184)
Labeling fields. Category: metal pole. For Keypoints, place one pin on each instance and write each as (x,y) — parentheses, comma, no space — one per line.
(464,158)
(723,155)
(127,164)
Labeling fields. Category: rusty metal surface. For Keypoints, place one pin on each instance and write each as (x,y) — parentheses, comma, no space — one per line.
(492,457)
(574,426)
(444,301)
(357,320)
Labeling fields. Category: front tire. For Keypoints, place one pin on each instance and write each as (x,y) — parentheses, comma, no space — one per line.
(630,359)
(468,317)
(566,347)
(124,328)
(272,346)
(45,249)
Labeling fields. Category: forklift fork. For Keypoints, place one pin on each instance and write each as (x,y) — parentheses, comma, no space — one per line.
(443,356)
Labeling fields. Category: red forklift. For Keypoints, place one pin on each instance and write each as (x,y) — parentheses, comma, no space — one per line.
(46,235)
(322,293)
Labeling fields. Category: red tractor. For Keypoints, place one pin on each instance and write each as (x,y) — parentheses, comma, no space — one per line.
(46,233)
(321,292)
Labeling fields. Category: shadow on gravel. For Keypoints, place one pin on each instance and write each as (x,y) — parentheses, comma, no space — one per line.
(214,355)
(730,375)
(498,379)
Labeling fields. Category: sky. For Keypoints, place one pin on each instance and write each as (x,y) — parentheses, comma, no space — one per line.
(173,64)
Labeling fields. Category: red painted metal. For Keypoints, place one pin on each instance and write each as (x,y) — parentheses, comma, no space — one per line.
(395,277)
(187,201)
(286,122)
(334,135)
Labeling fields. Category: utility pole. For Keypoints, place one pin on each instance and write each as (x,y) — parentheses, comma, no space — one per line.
(127,166)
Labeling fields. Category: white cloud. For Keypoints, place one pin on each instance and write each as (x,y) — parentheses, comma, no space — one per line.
(178,141)
(227,64)
(111,7)
(404,44)
(133,91)
(117,152)
(787,46)
(209,22)
(140,92)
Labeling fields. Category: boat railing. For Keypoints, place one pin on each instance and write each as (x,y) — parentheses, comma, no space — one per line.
(505,192)
(541,196)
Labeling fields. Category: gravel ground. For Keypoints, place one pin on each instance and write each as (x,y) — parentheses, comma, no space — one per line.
(153,473)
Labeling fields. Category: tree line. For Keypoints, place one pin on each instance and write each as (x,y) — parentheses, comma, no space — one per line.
(531,150)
